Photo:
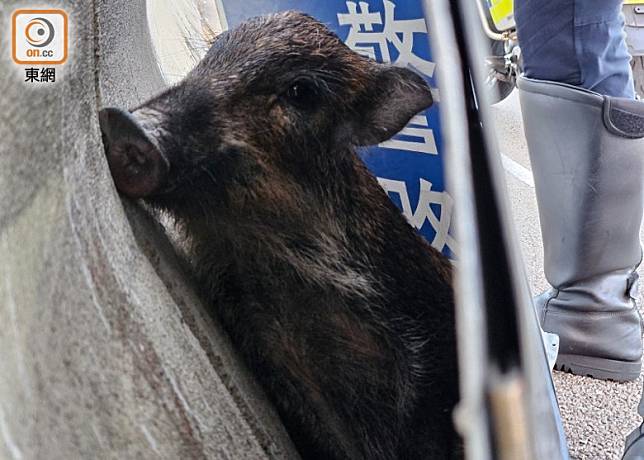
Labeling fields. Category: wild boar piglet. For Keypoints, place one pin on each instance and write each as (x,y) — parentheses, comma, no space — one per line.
(342,311)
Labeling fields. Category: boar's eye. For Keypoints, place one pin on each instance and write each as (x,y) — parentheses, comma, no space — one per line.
(302,95)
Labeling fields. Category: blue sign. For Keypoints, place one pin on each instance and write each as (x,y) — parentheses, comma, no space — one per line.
(408,166)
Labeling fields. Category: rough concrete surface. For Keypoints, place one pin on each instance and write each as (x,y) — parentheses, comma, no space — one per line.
(597,415)
(105,351)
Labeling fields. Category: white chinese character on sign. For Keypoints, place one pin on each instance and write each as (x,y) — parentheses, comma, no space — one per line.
(399,32)
(417,128)
(424,212)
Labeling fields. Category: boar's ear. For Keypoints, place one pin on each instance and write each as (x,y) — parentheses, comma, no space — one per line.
(137,165)
(395,96)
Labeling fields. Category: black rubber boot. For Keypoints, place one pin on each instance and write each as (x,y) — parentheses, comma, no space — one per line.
(587,153)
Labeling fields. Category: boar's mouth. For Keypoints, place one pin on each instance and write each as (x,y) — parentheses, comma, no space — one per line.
(141,168)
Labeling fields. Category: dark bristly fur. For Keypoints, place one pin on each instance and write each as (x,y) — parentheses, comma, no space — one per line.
(342,311)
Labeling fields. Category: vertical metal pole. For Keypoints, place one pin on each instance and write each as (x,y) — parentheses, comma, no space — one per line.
(508,407)
(471,415)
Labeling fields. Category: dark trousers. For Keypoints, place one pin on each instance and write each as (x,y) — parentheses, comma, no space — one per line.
(579,42)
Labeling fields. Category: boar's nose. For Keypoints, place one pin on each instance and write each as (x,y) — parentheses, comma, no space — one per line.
(138,166)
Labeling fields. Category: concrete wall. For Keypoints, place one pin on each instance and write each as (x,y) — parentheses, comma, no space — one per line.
(105,351)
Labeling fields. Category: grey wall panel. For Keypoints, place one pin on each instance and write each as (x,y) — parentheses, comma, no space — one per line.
(105,351)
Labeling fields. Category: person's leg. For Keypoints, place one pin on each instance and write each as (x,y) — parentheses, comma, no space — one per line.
(588,180)
(579,42)
(600,45)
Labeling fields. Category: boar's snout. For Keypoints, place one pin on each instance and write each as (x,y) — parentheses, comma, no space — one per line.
(138,166)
